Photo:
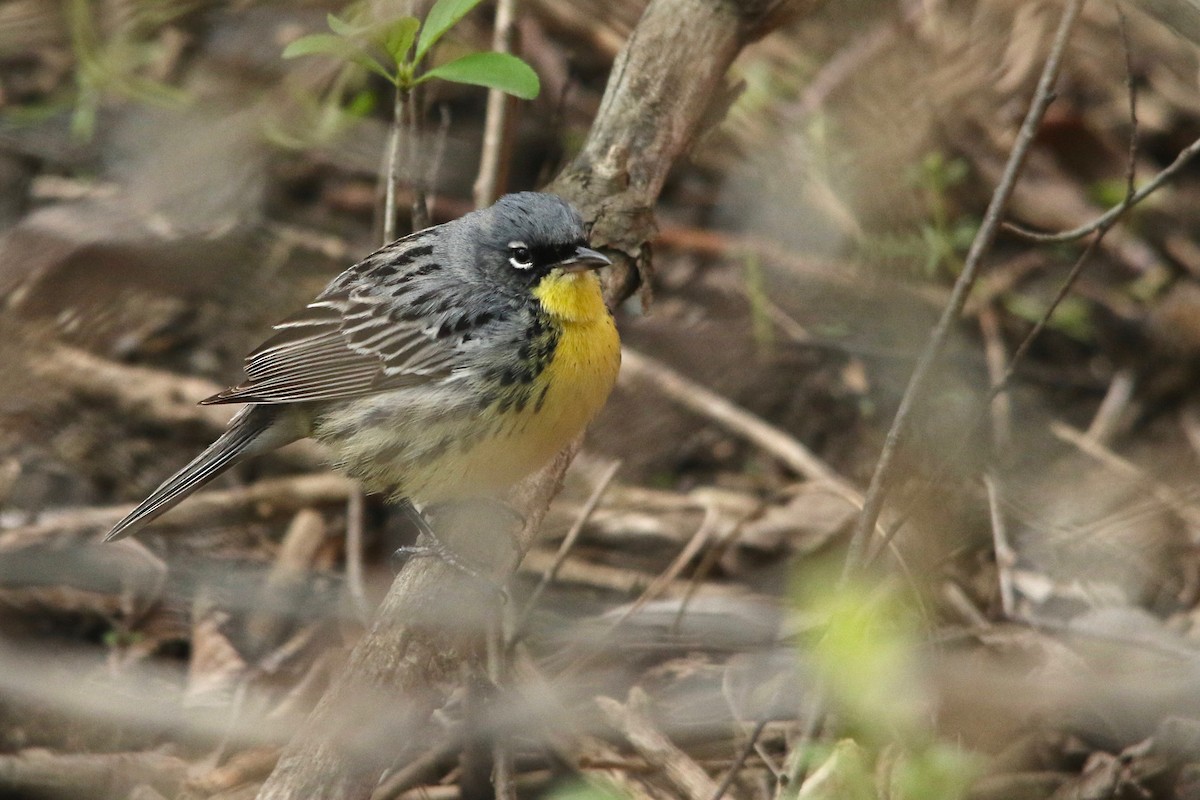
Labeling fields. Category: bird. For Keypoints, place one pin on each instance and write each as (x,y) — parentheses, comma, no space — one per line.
(446,365)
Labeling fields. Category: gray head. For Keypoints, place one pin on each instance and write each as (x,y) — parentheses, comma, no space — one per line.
(525,236)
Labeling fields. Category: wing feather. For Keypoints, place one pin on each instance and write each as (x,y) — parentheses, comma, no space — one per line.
(363,334)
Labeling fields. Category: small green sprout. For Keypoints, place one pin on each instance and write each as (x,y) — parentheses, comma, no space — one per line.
(404,44)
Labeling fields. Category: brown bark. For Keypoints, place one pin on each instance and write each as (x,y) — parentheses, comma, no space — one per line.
(431,621)
(658,99)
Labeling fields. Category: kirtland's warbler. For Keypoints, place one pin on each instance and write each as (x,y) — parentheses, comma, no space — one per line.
(448,364)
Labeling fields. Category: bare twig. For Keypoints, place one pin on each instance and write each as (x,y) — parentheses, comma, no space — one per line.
(420,770)
(499,667)
(393,167)
(433,171)
(1181,504)
(1100,227)
(993,351)
(495,125)
(1110,217)
(280,495)
(411,115)
(355,511)
(742,755)
(1006,557)
(880,479)
(633,720)
(1116,400)
(616,579)
(564,550)
(709,404)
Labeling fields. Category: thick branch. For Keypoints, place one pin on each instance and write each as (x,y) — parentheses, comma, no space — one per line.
(655,106)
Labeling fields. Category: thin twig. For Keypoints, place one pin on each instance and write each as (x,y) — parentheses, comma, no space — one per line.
(498,667)
(393,166)
(880,479)
(633,720)
(564,550)
(433,171)
(1131,94)
(1116,400)
(355,510)
(280,495)
(420,205)
(1181,504)
(1110,217)
(993,351)
(495,124)
(877,490)
(1113,214)
(738,762)
(737,420)
(1100,227)
(1006,557)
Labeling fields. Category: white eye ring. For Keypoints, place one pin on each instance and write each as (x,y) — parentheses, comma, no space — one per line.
(521,258)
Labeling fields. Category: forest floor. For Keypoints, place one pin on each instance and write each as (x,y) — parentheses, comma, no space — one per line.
(1027,620)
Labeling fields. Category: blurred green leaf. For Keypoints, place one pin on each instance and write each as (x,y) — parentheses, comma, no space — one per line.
(592,790)
(940,770)
(1108,192)
(868,656)
(762,325)
(398,38)
(1072,317)
(341,27)
(444,15)
(361,104)
(494,70)
(844,775)
(328,44)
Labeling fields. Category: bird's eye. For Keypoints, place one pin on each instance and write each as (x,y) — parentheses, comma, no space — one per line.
(519,255)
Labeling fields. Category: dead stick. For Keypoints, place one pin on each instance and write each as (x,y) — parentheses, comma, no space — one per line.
(279,495)
(633,720)
(737,420)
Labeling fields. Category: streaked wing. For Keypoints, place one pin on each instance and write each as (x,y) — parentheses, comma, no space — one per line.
(370,330)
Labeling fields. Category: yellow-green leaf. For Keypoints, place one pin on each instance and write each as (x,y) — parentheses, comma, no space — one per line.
(494,70)
(328,44)
(441,18)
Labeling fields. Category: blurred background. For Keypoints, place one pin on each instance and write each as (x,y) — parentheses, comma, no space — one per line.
(170,187)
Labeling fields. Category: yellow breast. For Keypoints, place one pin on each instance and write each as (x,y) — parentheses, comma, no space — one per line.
(588,355)
(576,382)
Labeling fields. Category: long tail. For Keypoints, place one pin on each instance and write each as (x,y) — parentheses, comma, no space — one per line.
(256,429)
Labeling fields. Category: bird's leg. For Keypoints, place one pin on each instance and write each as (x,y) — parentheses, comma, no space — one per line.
(430,545)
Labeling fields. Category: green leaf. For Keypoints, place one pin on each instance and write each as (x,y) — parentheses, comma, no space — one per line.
(340,26)
(398,38)
(317,44)
(493,70)
(444,15)
(327,44)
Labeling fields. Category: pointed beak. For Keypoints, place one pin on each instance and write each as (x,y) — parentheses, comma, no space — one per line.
(584,258)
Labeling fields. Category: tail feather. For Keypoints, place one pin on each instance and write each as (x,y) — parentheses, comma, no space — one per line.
(252,431)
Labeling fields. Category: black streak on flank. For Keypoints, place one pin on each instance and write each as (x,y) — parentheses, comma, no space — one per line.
(541,401)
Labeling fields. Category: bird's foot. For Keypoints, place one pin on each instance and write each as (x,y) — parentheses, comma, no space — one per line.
(429,545)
